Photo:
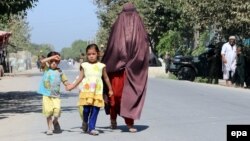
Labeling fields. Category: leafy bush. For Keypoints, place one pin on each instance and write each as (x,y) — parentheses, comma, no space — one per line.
(170,42)
(202,41)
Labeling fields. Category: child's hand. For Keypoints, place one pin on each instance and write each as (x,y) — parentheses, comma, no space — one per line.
(66,88)
(110,93)
(69,87)
(56,57)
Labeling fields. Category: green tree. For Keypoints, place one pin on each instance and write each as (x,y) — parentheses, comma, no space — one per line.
(190,18)
(170,42)
(77,47)
(20,37)
(40,49)
(13,19)
(107,13)
(16,6)
(66,53)
(202,44)
(159,16)
(8,8)
(232,17)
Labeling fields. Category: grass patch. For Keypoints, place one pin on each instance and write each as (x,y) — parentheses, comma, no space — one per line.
(168,76)
(201,80)
(172,76)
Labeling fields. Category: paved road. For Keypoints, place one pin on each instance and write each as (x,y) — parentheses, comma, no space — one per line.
(174,111)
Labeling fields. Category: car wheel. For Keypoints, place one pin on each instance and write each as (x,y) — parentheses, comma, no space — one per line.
(186,73)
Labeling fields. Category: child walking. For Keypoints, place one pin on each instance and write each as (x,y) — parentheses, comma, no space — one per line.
(50,89)
(91,93)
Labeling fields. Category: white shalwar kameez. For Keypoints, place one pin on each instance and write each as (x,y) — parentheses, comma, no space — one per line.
(230,56)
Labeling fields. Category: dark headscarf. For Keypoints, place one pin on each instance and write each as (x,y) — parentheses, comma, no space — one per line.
(128,49)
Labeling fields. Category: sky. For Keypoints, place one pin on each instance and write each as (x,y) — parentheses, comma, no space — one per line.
(61,22)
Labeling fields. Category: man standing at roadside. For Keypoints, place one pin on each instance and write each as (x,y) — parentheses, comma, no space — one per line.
(228,54)
(167,60)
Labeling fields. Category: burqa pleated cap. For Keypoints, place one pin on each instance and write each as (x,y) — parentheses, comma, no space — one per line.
(128,7)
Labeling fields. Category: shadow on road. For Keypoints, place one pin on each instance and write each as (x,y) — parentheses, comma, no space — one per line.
(24,102)
(19,102)
(24,74)
(124,128)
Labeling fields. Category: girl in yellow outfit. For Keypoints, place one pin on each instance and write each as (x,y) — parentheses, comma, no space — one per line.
(91,93)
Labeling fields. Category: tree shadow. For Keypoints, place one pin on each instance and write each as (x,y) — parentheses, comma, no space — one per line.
(63,131)
(25,102)
(65,95)
(69,108)
(2,117)
(24,74)
(19,102)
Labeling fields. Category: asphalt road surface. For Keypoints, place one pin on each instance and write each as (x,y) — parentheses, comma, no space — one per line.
(173,111)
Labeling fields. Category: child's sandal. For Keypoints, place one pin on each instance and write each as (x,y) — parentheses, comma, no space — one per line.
(57,128)
(49,132)
(94,132)
(84,127)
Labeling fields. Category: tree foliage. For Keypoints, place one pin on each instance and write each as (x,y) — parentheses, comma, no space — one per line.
(40,49)
(107,13)
(74,52)
(20,38)
(160,17)
(170,42)
(232,17)
(202,44)
(189,18)
(8,8)
(13,19)
(13,7)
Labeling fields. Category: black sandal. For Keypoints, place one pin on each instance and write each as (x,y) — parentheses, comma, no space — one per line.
(84,127)
(57,128)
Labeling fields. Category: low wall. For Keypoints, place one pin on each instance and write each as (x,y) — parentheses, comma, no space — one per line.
(20,61)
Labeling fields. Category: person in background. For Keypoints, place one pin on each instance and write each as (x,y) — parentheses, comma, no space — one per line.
(167,60)
(228,54)
(239,77)
(214,66)
(40,63)
(82,58)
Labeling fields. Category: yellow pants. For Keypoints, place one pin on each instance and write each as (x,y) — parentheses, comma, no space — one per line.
(51,106)
(80,110)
